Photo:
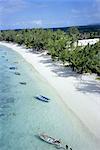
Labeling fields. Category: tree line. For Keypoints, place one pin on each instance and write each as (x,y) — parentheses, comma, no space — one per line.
(60,45)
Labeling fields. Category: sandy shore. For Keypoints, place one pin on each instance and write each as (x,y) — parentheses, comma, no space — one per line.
(80,93)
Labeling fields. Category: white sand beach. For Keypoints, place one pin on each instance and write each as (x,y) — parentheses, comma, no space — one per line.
(79,93)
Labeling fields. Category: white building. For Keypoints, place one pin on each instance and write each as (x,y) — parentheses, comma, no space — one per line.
(87,41)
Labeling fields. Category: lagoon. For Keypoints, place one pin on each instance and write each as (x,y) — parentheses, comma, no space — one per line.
(22,117)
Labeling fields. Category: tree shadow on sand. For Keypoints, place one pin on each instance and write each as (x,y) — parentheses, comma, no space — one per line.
(87,85)
(58,68)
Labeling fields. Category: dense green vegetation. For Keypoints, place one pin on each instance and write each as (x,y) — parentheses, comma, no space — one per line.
(98,78)
(60,45)
(86,59)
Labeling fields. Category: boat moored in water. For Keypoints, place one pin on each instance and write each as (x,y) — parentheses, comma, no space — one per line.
(45,97)
(42,98)
(50,140)
(53,141)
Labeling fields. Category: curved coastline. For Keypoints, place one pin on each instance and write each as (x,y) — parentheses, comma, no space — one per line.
(84,103)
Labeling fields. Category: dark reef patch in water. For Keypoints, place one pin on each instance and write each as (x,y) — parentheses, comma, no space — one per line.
(5,100)
(2,115)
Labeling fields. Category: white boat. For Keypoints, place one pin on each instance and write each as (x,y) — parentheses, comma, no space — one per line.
(50,140)
(53,141)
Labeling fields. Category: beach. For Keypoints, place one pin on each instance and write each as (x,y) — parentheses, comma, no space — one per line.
(79,93)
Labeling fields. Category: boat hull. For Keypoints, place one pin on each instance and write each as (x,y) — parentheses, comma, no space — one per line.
(41,99)
(50,140)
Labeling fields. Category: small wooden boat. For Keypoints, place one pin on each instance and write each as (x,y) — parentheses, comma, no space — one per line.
(17,73)
(41,98)
(23,83)
(56,142)
(12,68)
(50,140)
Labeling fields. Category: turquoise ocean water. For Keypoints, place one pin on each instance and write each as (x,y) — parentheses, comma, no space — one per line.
(22,117)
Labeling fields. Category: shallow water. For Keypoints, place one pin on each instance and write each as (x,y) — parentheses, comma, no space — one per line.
(22,117)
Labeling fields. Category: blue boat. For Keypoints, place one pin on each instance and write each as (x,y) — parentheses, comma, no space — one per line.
(45,97)
(41,98)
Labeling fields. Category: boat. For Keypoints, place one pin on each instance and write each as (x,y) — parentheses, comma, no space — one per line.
(41,98)
(12,68)
(50,140)
(56,142)
(17,73)
(23,83)
(45,97)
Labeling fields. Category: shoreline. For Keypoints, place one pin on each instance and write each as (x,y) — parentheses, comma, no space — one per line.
(80,93)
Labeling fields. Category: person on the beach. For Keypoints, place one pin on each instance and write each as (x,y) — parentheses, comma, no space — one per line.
(67,147)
